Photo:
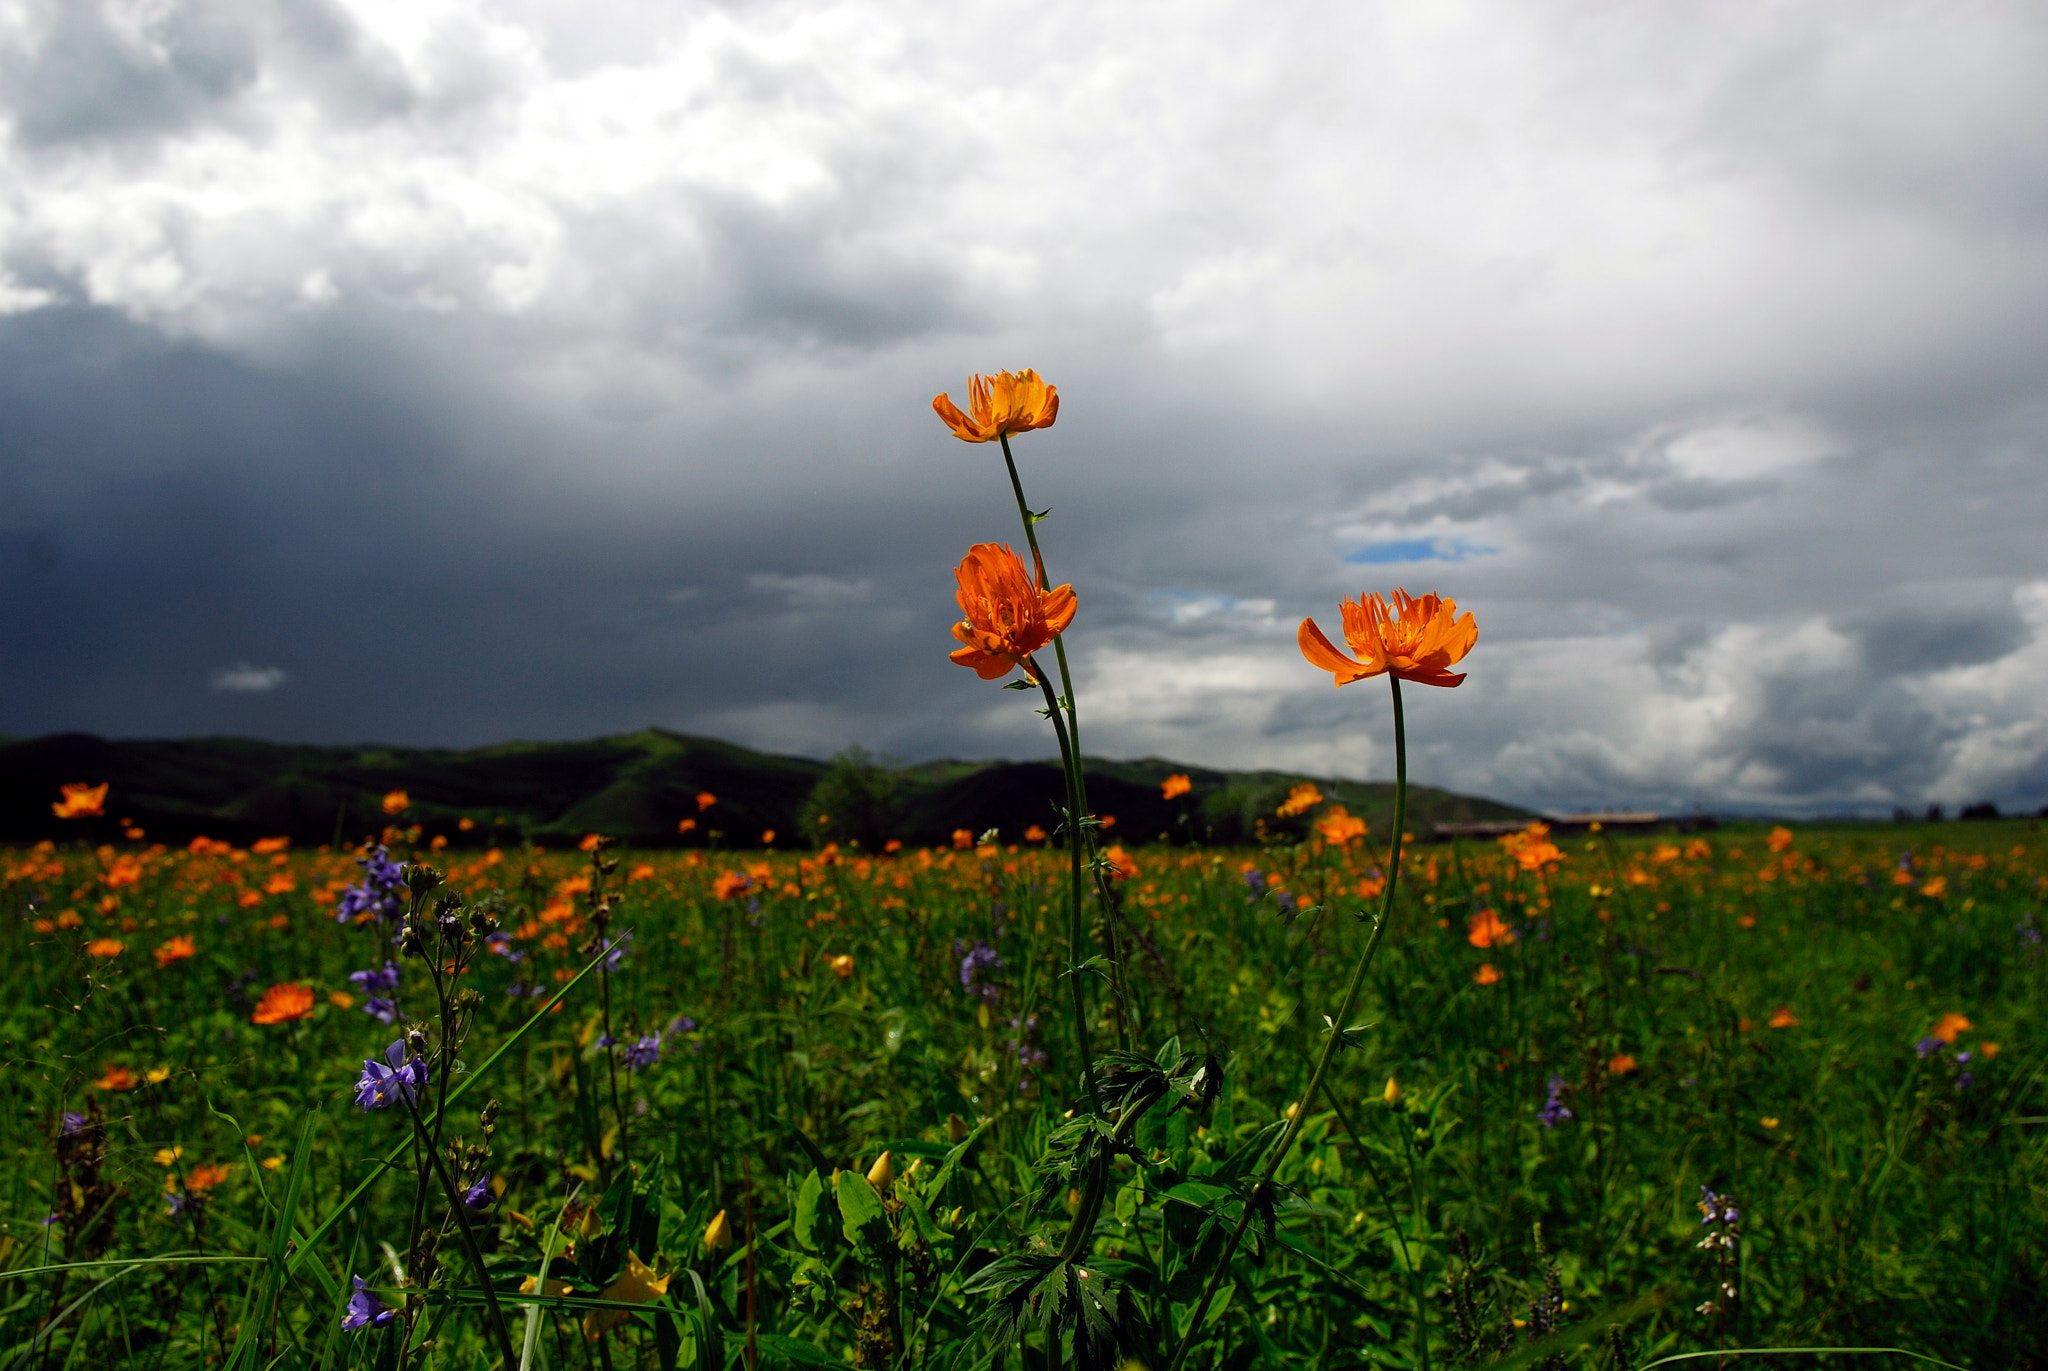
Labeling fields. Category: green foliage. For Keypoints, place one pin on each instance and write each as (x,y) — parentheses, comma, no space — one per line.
(1888,1194)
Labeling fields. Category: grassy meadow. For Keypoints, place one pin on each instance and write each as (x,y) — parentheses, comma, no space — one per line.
(1562,1045)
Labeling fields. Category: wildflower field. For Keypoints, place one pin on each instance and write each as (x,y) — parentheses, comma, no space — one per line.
(1036,1099)
(1562,1046)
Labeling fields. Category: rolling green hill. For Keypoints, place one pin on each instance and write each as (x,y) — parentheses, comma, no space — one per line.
(635,785)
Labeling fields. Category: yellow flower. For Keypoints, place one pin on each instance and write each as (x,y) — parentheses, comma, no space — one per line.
(883,1173)
(717,1233)
(637,1284)
(550,1287)
(1420,641)
(1392,1094)
(999,405)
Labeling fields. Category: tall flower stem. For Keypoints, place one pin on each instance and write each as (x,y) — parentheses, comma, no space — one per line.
(1075,927)
(1330,1045)
(476,1258)
(1070,751)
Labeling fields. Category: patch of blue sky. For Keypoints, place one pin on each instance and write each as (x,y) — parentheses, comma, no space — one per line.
(1399,550)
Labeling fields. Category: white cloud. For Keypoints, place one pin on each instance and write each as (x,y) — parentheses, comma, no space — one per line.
(244,679)
(812,590)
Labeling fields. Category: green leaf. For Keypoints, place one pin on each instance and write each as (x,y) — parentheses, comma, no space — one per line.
(817,1215)
(865,1221)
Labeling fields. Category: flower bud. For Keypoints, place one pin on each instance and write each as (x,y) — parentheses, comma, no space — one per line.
(956,1129)
(883,1173)
(420,878)
(416,1042)
(1392,1094)
(717,1233)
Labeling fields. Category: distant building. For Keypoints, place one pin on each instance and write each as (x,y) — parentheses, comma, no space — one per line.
(1615,820)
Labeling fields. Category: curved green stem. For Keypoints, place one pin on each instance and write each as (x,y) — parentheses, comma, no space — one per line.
(1074,922)
(1077,782)
(1329,1052)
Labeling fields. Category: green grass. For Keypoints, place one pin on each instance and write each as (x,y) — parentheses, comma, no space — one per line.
(1883,1202)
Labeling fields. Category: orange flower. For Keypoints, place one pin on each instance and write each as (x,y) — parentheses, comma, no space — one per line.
(686,825)
(590,842)
(767,837)
(1948,1027)
(1486,929)
(963,838)
(1173,787)
(729,885)
(998,405)
(264,847)
(81,802)
(842,965)
(1338,827)
(1782,1017)
(1419,642)
(1300,800)
(1034,834)
(1120,863)
(104,947)
(1008,616)
(177,949)
(1621,1064)
(1989,1050)
(117,1078)
(1934,887)
(397,802)
(1780,839)
(1486,975)
(705,799)
(341,999)
(205,1176)
(283,1003)
(1532,847)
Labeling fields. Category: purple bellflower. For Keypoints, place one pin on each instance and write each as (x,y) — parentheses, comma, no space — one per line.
(644,1053)
(1554,1112)
(365,1310)
(478,1196)
(401,1080)
(381,891)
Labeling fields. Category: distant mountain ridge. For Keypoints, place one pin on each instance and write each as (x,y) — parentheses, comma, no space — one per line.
(637,786)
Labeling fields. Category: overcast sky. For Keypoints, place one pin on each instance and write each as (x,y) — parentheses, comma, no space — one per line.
(449,372)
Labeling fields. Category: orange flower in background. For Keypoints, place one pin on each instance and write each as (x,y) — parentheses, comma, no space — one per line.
(104,947)
(117,1078)
(1782,1017)
(1008,616)
(1934,887)
(1486,975)
(1173,787)
(1621,1064)
(264,847)
(177,949)
(705,799)
(341,999)
(729,885)
(205,1176)
(767,837)
(1948,1027)
(81,802)
(1300,800)
(590,842)
(842,965)
(1120,862)
(284,1003)
(1005,403)
(1780,839)
(1338,827)
(1532,847)
(1486,930)
(1034,834)
(686,825)
(963,838)
(397,802)
(1420,641)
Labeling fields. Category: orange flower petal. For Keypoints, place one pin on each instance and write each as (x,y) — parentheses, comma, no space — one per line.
(1322,653)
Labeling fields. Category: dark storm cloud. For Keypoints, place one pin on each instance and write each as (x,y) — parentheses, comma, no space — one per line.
(462,371)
